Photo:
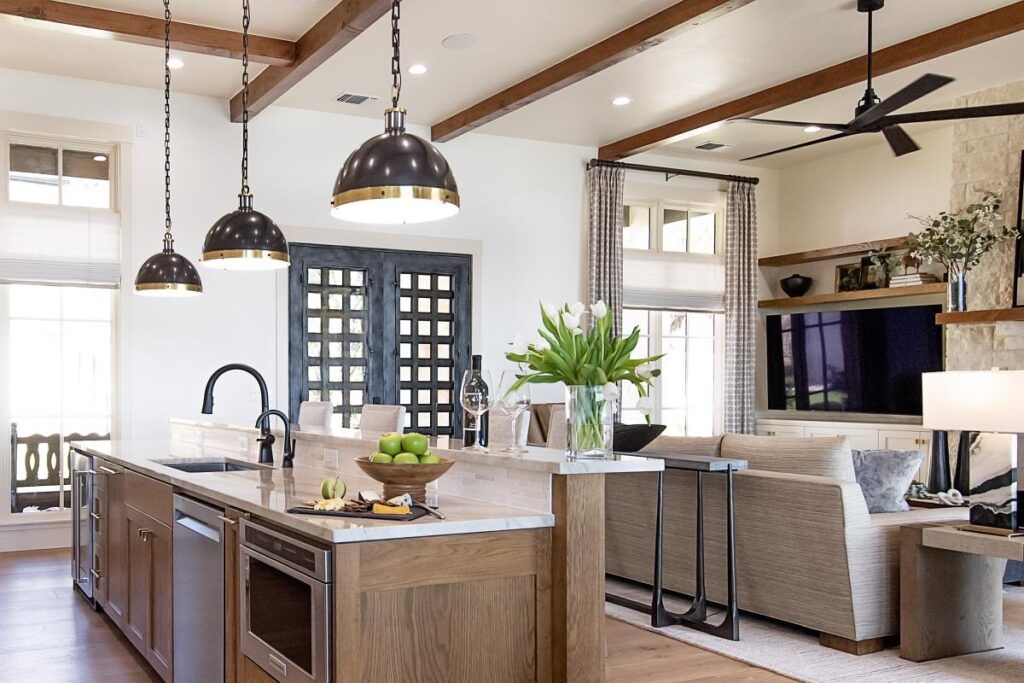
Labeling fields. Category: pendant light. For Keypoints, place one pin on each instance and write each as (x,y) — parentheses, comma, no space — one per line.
(245,239)
(168,273)
(395,177)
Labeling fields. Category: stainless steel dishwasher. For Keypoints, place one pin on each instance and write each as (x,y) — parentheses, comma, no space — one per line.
(198,591)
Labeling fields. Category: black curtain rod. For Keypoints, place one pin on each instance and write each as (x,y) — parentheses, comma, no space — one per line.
(669,172)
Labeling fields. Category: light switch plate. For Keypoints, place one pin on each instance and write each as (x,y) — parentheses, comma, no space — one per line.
(330,457)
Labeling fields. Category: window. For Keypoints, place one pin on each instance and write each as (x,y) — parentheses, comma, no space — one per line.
(64,173)
(685,396)
(58,384)
(672,227)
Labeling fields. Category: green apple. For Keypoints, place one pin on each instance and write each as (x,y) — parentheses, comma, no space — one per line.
(406,459)
(390,443)
(381,457)
(333,487)
(415,443)
(430,459)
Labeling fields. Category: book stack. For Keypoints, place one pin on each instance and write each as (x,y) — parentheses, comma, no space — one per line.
(912,279)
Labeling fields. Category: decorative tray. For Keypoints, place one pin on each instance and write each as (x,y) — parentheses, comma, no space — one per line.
(414,513)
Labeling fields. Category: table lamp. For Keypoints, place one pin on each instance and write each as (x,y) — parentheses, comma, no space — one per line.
(987,402)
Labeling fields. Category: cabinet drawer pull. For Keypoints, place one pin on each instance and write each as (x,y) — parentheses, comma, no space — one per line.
(227,520)
(144,534)
(107,470)
(96,516)
(97,574)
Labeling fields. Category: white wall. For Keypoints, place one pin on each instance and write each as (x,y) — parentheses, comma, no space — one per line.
(522,214)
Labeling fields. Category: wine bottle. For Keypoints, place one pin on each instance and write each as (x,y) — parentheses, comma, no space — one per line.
(474,429)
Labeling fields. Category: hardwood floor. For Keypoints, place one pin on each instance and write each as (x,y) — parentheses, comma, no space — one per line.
(49,634)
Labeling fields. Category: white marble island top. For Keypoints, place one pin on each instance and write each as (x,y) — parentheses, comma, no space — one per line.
(269,493)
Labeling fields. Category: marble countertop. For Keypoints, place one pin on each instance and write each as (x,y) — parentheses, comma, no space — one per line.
(269,493)
(536,458)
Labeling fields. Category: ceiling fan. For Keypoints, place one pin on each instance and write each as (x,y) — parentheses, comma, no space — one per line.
(875,116)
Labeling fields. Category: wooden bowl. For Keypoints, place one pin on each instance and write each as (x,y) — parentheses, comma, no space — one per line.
(399,479)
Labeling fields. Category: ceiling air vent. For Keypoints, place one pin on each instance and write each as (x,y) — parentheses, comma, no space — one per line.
(712,146)
(355,98)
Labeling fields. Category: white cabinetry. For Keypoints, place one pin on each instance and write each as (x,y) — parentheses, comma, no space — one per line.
(862,436)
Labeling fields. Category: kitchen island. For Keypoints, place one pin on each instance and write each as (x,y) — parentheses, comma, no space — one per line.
(509,587)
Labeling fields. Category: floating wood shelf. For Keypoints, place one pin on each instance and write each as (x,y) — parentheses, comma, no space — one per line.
(976,317)
(892,244)
(841,297)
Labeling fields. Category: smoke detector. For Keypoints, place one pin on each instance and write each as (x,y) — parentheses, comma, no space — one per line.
(712,146)
(356,98)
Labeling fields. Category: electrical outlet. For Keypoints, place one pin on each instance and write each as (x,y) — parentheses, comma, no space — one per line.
(140,130)
(330,457)
(243,444)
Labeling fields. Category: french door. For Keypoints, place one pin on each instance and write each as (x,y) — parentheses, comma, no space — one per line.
(380,326)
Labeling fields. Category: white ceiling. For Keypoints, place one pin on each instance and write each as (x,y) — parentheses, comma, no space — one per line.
(756,46)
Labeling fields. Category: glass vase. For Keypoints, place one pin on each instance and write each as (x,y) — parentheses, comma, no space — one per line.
(589,417)
(956,289)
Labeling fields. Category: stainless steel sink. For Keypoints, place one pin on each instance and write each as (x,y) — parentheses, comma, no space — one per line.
(194,465)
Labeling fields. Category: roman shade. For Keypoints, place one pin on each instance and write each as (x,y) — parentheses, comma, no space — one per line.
(692,282)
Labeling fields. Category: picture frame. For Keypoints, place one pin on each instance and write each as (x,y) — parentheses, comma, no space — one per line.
(848,277)
(872,276)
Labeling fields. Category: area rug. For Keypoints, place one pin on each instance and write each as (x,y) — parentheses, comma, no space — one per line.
(795,652)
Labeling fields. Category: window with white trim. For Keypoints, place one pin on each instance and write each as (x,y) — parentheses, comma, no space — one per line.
(43,170)
(674,283)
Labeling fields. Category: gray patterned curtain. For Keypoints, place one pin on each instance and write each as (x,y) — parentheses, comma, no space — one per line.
(606,184)
(740,307)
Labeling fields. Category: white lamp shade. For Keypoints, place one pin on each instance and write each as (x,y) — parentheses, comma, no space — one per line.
(988,401)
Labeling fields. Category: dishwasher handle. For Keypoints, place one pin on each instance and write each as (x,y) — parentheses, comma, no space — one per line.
(193,524)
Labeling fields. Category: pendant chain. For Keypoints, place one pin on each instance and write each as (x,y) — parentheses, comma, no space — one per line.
(396,60)
(168,239)
(245,97)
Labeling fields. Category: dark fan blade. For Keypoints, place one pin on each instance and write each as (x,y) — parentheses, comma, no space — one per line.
(796,124)
(899,141)
(802,144)
(1008,109)
(915,91)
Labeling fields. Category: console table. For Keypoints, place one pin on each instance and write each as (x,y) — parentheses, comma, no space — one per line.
(951,595)
(697,616)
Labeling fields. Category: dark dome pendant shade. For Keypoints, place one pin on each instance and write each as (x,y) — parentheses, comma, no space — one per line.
(245,239)
(167,273)
(395,177)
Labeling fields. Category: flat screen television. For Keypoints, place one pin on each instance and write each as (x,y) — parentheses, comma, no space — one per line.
(856,361)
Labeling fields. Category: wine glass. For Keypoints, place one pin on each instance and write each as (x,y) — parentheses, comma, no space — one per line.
(477,398)
(513,402)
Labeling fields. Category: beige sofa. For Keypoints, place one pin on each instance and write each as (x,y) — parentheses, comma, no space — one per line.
(807,550)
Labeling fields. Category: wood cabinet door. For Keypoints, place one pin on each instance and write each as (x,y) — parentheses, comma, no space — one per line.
(234,665)
(161,622)
(136,615)
(116,544)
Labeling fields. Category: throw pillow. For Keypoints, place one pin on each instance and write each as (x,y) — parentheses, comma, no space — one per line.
(885,476)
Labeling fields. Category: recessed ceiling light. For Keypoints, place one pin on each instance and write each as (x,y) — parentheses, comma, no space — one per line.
(417,69)
(621,101)
(459,41)
(175,62)
(812,129)
(100,157)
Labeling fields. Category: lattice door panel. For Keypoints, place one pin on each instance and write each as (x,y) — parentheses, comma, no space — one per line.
(337,344)
(426,351)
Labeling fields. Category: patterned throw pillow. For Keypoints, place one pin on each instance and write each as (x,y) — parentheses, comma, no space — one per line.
(885,476)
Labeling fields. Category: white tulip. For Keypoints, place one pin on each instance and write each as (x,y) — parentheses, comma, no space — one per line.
(576,330)
(519,345)
(541,344)
(577,309)
(600,309)
(611,391)
(643,371)
(569,320)
(550,310)
(645,405)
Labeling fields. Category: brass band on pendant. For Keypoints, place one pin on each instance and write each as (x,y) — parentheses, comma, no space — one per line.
(223,254)
(172,286)
(437,194)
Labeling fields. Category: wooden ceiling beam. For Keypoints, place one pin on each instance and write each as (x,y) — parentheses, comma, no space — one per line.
(135,28)
(598,57)
(338,28)
(960,36)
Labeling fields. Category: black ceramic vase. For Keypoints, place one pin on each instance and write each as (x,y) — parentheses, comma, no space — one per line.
(796,285)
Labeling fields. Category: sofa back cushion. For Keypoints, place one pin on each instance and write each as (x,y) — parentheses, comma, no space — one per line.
(819,456)
(709,446)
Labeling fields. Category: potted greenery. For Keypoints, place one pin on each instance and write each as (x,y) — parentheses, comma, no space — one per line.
(959,240)
(590,360)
